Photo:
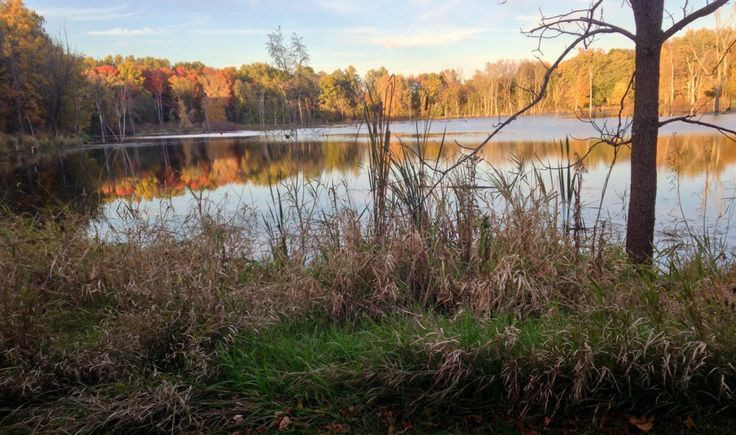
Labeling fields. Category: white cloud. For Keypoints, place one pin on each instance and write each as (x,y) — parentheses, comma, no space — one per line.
(89,14)
(411,39)
(124,31)
(188,29)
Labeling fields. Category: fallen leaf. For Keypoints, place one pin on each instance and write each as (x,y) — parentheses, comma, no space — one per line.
(547,421)
(689,423)
(284,423)
(644,424)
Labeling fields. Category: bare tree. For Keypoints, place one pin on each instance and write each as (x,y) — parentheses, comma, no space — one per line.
(281,55)
(584,25)
(299,51)
(60,67)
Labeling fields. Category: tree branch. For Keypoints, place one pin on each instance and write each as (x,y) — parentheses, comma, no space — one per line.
(587,21)
(689,119)
(700,13)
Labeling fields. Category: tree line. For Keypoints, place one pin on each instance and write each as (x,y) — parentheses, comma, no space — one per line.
(47,88)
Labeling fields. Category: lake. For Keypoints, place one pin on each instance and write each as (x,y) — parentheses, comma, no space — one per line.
(168,178)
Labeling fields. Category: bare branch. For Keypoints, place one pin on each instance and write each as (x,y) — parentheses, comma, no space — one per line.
(585,20)
(706,10)
(690,119)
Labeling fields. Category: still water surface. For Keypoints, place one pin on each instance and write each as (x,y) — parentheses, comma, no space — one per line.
(172,176)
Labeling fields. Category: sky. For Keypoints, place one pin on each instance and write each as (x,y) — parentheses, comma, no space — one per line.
(407,36)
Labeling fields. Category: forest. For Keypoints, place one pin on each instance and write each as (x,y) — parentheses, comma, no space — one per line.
(49,90)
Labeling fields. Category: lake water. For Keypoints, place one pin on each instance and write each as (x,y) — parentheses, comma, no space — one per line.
(172,176)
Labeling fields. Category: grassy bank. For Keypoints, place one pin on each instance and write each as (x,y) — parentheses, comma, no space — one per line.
(452,318)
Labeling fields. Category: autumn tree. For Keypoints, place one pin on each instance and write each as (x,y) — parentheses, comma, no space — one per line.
(303,87)
(428,89)
(389,90)
(22,46)
(156,82)
(452,94)
(217,87)
(339,93)
(101,79)
(185,89)
(258,91)
(64,92)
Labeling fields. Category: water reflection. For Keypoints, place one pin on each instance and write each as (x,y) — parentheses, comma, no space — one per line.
(173,168)
(46,183)
(160,174)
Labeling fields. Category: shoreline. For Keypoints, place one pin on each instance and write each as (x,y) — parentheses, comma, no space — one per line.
(84,142)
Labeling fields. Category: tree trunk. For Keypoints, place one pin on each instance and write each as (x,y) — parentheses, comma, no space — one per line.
(102,120)
(301,116)
(129,108)
(590,91)
(672,78)
(160,108)
(640,226)
(17,92)
(262,108)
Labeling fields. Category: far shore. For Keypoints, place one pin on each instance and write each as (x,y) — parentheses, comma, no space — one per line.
(170,131)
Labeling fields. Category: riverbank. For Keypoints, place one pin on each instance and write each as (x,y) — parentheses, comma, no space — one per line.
(454,321)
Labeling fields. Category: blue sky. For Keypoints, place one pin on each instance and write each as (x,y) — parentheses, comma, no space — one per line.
(410,36)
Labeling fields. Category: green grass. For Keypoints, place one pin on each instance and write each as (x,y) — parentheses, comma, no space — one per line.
(455,368)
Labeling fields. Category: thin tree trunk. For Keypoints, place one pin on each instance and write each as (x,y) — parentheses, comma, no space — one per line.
(672,77)
(129,109)
(17,90)
(301,116)
(590,92)
(102,121)
(160,109)
(263,110)
(640,225)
